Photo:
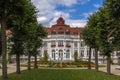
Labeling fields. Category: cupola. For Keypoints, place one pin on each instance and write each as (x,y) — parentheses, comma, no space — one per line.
(60,21)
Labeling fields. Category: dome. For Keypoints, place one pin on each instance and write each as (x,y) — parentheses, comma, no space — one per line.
(60,21)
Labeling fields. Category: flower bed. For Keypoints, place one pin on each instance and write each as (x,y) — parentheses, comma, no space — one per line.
(61,64)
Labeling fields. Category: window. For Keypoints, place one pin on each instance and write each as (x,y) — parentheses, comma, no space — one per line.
(68,44)
(45,51)
(68,54)
(45,43)
(53,44)
(82,43)
(60,44)
(67,32)
(60,28)
(75,44)
(53,32)
(82,53)
(53,54)
(61,54)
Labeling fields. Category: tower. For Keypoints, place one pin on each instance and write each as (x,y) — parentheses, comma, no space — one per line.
(60,21)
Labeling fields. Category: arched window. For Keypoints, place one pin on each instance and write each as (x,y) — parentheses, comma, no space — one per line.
(68,54)
(60,53)
(67,32)
(82,53)
(53,54)
(53,32)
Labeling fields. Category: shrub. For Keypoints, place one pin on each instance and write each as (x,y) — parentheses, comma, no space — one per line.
(75,56)
(45,57)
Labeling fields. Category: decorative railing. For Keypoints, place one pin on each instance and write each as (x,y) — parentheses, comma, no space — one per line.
(60,36)
(68,45)
(60,45)
(53,45)
(63,36)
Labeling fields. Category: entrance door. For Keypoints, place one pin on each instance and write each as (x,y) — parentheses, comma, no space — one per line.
(60,56)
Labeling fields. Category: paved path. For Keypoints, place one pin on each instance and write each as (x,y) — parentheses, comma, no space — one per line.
(113,70)
(12,68)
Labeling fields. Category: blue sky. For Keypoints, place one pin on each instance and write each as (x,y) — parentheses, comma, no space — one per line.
(75,12)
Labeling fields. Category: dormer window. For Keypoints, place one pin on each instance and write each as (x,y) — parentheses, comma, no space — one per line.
(53,32)
(60,28)
(67,32)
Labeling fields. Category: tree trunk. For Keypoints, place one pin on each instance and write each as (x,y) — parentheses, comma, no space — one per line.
(18,63)
(108,64)
(29,65)
(3,37)
(89,59)
(103,59)
(35,62)
(96,59)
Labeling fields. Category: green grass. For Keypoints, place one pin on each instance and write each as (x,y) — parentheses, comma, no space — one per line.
(62,74)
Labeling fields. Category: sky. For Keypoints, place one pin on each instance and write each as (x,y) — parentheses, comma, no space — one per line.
(75,12)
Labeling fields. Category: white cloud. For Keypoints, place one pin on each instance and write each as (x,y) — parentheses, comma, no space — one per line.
(83,1)
(48,14)
(72,23)
(42,19)
(97,5)
(67,3)
(56,15)
(86,15)
(71,10)
(77,23)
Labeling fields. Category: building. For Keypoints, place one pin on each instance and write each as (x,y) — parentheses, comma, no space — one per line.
(63,41)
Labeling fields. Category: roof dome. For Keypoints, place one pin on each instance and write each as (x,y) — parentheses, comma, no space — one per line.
(60,21)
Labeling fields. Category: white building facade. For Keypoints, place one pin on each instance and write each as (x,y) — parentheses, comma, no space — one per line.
(63,41)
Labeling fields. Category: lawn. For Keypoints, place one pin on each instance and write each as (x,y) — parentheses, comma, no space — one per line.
(61,74)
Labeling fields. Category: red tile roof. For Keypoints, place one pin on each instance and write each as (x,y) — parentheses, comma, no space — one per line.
(61,28)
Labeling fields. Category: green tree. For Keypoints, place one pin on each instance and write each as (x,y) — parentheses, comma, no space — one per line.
(110,13)
(86,33)
(0,44)
(9,47)
(40,33)
(45,58)
(103,27)
(35,33)
(37,44)
(30,40)
(20,22)
(113,9)
(89,35)
(76,57)
(6,10)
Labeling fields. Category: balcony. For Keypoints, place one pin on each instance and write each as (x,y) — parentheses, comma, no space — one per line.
(68,46)
(63,36)
(60,45)
(53,45)
(60,36)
